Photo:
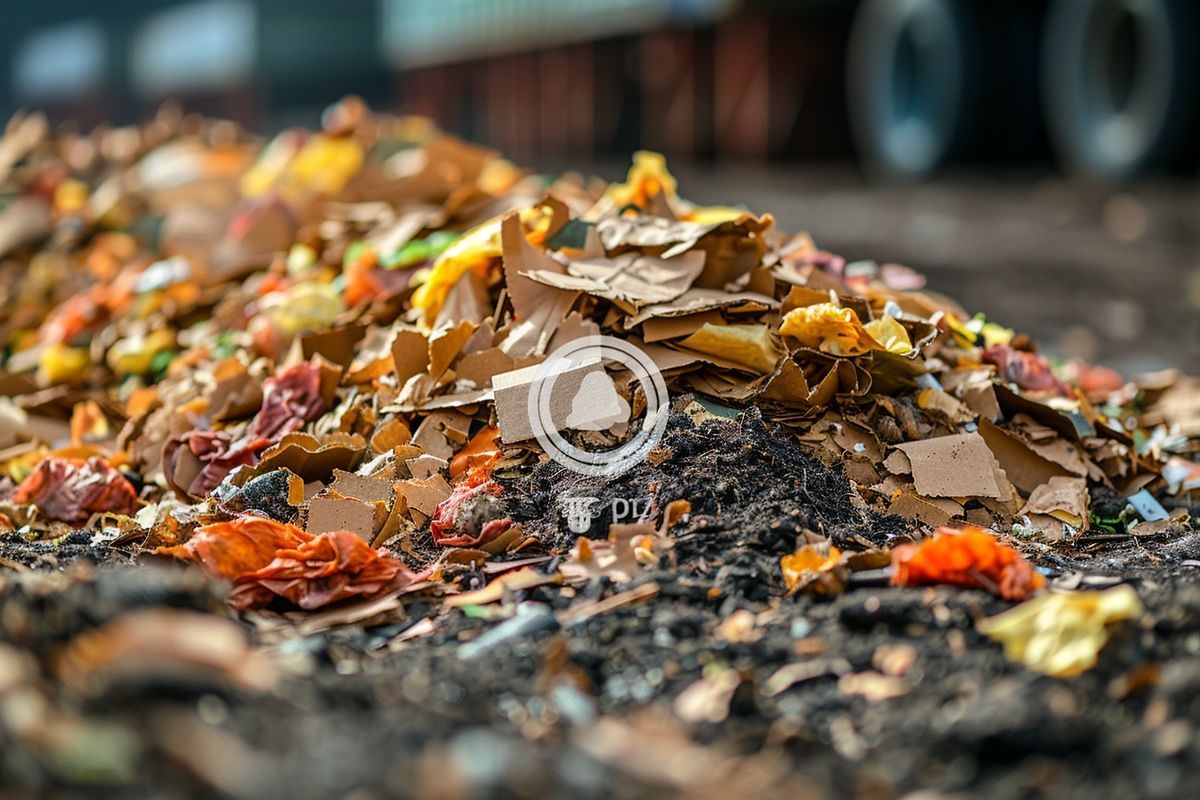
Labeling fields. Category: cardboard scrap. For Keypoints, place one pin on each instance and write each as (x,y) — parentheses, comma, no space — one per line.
(512,398)
(410,354)
(421,496)
(331,511)
(1058,502)
(442,433)
(537,304)
(313,459)
(1026,469)
(936,511)
(956,466)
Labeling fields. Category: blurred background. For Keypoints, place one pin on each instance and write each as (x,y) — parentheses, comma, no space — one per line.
(1036,158)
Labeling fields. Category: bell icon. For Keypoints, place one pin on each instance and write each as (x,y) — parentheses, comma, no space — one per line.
(597,406)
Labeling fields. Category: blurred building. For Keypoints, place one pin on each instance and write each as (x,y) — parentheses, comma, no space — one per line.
(907,86)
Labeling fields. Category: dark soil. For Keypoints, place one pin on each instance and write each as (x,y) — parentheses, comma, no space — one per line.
(549,707)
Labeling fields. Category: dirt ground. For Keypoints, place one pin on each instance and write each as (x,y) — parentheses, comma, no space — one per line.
(544,703)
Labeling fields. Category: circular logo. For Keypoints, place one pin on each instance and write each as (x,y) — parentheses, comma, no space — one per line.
(578,370)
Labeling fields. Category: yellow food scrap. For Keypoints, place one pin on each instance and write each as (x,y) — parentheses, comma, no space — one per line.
(474,250)
(59,363)
(829,328)
(749,346)
(1061,634)
(647,178)
(807,563)
(134,355)
(890,335)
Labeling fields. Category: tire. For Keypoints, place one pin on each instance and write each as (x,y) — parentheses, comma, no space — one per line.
(908,69)
(1119,84)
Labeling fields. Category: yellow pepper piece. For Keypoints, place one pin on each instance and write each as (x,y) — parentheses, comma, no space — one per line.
(829,328)
(749,346)
(890,335)
(994,334)
(647,177)
(326,164)
(59,363)
(134,355)
(475,250)
(305,307)
(70,196)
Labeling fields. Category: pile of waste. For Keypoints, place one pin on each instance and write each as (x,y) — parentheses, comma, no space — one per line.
(305,366)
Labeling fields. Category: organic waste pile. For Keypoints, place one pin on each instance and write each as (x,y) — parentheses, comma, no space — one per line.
(275,520)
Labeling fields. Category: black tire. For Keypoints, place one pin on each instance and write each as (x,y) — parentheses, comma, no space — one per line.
(1119,84)
(908,73)
(934,81)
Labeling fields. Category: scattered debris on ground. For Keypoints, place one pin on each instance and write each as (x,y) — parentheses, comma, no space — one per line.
(275,519)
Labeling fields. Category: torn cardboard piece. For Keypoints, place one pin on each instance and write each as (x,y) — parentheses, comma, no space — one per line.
(956,466)
(512,398)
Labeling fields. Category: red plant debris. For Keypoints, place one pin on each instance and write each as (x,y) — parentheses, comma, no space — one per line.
(71,490)
(232,549)
(334,566)
(449,526)
(290,399)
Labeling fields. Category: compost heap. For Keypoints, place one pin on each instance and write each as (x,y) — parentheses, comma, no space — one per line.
(281,362)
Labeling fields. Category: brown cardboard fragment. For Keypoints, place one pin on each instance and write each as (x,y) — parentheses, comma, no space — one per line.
(479,368)
(390,435)
(1013,404)
(1025,468)
(330,511)
(425,465)
(636,279)
(542,306)
(337,345)
(930,510)
(467,301)
(953,410)
(423,495)
(310,458)
(955,466)
(512,398)
(373,356)
(410,354)
(361,487)
(445,345)
(694,301)
(657,329)
(573,327)
(237,393)
(897,463)
(981,398)
(1064,499)
(442,433)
